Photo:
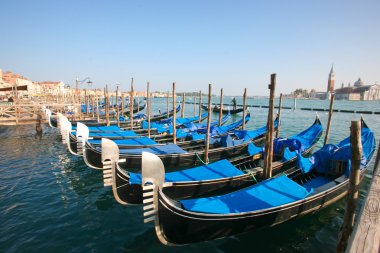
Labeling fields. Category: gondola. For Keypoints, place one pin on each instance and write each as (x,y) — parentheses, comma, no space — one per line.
(131,139)
(157,117)
(53,121)
(184,156)
(267,203)
(216,109)
(211,178)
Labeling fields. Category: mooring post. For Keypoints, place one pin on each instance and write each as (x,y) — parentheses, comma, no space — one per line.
(268,155)
(329,119)
(107,98)
(195,106)
(279,116)
(93,106)
(200,107)
(365,234)
(294,102)
(221,107)
(167,104)
(131,104)
(207,148)
(138,104)
(86,101)
(122,104)
(244,107)
(349,214)
(148,106)
(97,108)
(183,106)
(117,106)
(174,117)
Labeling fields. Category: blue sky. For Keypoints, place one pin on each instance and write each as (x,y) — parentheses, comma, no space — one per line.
(232,44)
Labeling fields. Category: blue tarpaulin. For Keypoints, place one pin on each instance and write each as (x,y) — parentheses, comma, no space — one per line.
(216,170)
(143,141)
(321,160)
(269,193)
(126,133)
(157,150)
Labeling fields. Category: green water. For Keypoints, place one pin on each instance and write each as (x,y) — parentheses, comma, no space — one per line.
(52,202)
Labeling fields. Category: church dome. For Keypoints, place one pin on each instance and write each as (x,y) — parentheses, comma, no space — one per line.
(358,83)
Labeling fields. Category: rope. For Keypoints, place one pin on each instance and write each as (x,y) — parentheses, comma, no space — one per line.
(200,159)
(252,175)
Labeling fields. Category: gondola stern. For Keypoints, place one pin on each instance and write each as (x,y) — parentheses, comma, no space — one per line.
(82,135)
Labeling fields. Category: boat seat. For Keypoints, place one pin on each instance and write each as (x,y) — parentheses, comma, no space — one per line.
(340,179)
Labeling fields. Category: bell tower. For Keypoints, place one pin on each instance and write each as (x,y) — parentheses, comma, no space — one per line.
(331,82)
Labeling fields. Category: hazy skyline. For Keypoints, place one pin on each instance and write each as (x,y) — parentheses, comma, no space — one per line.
(231,44)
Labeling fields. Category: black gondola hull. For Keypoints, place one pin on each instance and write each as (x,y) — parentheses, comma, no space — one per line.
(181,227)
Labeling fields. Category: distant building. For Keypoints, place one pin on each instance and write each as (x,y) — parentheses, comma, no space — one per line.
(359,91)
(12,84)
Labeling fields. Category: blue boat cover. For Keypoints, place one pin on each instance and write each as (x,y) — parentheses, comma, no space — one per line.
(138,141)
(102,128)
(321,160)
(216,170)
(126,133)
(157,150)
(181,121)
(252,134)
(269,193)
(290,147)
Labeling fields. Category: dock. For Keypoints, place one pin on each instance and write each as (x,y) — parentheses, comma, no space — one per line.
(366,234)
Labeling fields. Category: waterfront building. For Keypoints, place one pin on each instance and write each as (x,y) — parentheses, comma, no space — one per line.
(359,91)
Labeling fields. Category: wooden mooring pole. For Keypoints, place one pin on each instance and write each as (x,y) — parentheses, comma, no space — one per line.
(279,117)
(244,107)
(107,104)
(349,214)
(174,117)
(183,106)
(195,106)
(200,107)
(366,234)
(268,156)
(117,106)
(329,119)
(221,107)
(207,148)
(148,106)
(167,104)
(131,104)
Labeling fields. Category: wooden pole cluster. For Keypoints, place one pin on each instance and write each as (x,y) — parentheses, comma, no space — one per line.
(349,214)
(329,120)
(279,116)
(208,125)
(221,107)
(244,107)
(131,104)
(268,156)
(174,118)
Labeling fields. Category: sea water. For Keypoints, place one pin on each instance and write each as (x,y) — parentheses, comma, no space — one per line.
(50,201)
